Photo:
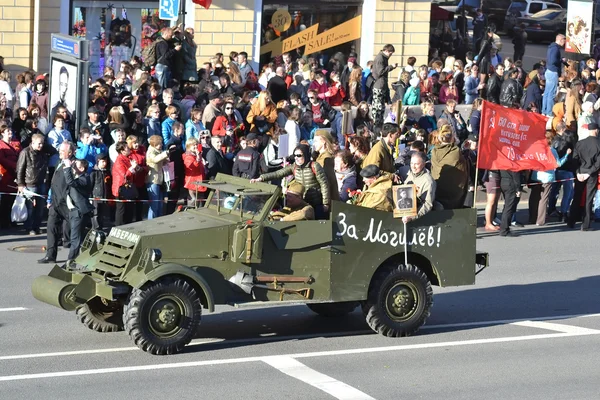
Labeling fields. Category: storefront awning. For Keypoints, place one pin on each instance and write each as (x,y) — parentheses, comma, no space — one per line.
(440,14)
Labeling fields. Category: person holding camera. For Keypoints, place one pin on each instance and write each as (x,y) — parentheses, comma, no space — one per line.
(164,55)
(89,146)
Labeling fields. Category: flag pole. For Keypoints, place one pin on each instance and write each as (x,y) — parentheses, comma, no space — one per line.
(480,139)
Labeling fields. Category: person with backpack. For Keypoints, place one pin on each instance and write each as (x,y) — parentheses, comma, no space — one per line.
(164,55)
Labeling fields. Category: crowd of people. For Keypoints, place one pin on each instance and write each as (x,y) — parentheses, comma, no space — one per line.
(157,127)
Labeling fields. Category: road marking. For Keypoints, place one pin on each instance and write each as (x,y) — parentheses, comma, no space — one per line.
(295,337)
(329,385)
(297,355)
(558,327)
(14,309)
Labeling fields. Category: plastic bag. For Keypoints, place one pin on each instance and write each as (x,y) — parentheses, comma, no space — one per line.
(19,210)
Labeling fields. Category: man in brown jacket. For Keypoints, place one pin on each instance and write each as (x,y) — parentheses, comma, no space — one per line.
(377,193)
(449,169)
(382,153)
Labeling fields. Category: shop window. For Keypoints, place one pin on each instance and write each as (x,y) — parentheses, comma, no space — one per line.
(115,33)
(301,16)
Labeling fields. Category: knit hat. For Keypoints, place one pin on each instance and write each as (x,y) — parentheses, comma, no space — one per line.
(296,188)
(369,171)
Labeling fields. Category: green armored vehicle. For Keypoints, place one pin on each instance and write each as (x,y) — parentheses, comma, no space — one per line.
(153,278)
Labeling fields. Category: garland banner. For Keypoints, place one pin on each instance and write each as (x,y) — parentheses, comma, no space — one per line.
(342,33)
(513,140)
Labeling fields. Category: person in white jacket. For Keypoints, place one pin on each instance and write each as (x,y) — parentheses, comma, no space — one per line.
(6,89)
(293,130)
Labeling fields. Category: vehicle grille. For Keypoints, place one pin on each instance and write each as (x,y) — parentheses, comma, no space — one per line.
(115,255)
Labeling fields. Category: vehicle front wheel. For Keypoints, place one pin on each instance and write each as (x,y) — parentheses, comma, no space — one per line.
(399,301)
(162,317)
(101,316)
(333,310)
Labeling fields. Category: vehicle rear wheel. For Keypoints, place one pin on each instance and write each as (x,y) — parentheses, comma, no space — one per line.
(162,318)
(101,316)
(333,310)
(399,301)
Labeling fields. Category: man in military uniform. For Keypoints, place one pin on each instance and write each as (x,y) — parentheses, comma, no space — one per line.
(377,194)
(404,201)
(247,162)
(296,208)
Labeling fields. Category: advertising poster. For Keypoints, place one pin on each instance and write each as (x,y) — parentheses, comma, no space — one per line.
(580,16)
(513,140)
(63,87)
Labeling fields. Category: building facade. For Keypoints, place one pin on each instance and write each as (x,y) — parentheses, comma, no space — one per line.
(121,29)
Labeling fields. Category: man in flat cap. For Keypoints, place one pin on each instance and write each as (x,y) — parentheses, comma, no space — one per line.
(296,208)
(377,193)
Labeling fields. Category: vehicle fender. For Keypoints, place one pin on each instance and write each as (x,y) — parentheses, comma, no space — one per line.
(187,272)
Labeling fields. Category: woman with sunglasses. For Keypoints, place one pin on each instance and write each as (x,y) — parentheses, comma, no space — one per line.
(309,174)
(228,125)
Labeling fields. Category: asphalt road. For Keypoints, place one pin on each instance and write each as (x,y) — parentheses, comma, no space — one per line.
(529,329)
(533,52)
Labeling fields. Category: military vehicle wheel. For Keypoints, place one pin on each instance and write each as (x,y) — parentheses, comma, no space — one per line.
(101,316)
(162,318)
(333,310)
(399,301)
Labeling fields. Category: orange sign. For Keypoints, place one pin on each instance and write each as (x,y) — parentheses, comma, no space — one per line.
(343,33)
(281,20)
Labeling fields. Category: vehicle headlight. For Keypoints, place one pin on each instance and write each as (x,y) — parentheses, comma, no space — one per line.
(155,255)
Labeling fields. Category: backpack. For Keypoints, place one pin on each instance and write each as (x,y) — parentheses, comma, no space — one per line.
(252,81)
(149,54)
(370,81)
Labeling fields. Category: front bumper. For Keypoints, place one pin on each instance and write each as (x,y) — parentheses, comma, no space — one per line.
(69,289)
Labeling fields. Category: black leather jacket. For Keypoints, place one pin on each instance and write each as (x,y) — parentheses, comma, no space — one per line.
(510,93)
(494,86)
(32,167)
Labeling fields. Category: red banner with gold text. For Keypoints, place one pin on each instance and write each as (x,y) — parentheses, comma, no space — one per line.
(513,140)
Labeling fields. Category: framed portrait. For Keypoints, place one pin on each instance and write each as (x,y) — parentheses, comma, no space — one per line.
(68,88)
(405,200)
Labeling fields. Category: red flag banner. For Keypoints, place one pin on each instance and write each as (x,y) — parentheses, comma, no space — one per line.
(513,140)
(204,3)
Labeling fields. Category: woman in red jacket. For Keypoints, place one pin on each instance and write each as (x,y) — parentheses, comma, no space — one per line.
(138,154)
(9,154)
(228,125)
(194,172)
(336,92)
(123,171)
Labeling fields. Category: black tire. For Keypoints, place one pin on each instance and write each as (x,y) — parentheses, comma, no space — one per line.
(180,311)
(100,316)
(391,285)
(333,310)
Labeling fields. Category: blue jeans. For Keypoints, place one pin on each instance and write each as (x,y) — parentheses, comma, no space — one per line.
(163,75)
(567,186)
(155,192)
(35,212)
(549,92)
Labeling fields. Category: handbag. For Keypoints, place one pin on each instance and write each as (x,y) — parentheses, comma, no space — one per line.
(18,213)
(128,191)
(262,125)
(168,171)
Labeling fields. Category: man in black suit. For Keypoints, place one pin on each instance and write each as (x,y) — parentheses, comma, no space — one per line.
(277,86)
(58,210)
(215,159)
(79,190)
(587,158)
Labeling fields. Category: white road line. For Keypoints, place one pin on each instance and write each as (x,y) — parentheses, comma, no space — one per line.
(558,327)
(297,355)
(329,385)
(13,309)
(295,337)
